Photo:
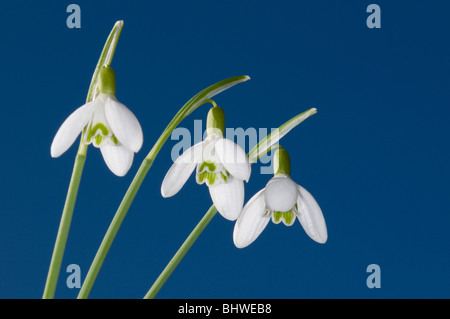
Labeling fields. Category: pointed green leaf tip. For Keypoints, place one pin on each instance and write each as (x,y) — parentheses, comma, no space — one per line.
(215,121)
(270,140)
(205,95)
(282,162)
(107,80)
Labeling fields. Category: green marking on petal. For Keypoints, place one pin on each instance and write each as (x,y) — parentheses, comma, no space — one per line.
(209,165)
(224,177)
(207,173)
(97,134)
(102,127)
(211,178)
(114,140)
(207,177)
(295,210)
(201,177)
(288,218)
(276,217)
(98,139)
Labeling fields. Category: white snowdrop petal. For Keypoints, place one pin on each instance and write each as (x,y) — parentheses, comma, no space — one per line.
(180,171)
(228,197)
(117,157)
(233,158)
(311,217)
(281,194)
(124,124)
(71,128)
(251,222)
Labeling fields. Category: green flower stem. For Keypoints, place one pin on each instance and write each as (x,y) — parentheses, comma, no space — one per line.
(181,252)
(196,101)
(64,226)
(263,147)
(80,159)
(113,229)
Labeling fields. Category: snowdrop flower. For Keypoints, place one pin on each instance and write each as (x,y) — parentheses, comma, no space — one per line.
(109,124)
(221,165)
(282,200)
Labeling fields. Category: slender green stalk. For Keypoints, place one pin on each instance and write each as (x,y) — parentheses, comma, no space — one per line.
(263,147)
(181,252)
(196,101)
(80,159)
(64,226)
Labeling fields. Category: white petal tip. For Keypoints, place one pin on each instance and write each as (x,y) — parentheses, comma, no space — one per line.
(241,241)
(165,194)
(251,221)
(228,198)
(239,245)
(117,158)
(120,174)
(53,154)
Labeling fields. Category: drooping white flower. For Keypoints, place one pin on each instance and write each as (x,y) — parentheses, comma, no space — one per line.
(109,124)
(219,163)
(282,200)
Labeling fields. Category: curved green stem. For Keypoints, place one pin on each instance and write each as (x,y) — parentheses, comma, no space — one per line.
(180,253)
(64,226)
(199,99)
(80,159)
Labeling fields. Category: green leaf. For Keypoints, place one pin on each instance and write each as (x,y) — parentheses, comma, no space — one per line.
(202,97)
(268,143)
(197,100)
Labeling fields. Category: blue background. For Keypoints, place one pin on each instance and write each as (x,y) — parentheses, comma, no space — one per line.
(375,156)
